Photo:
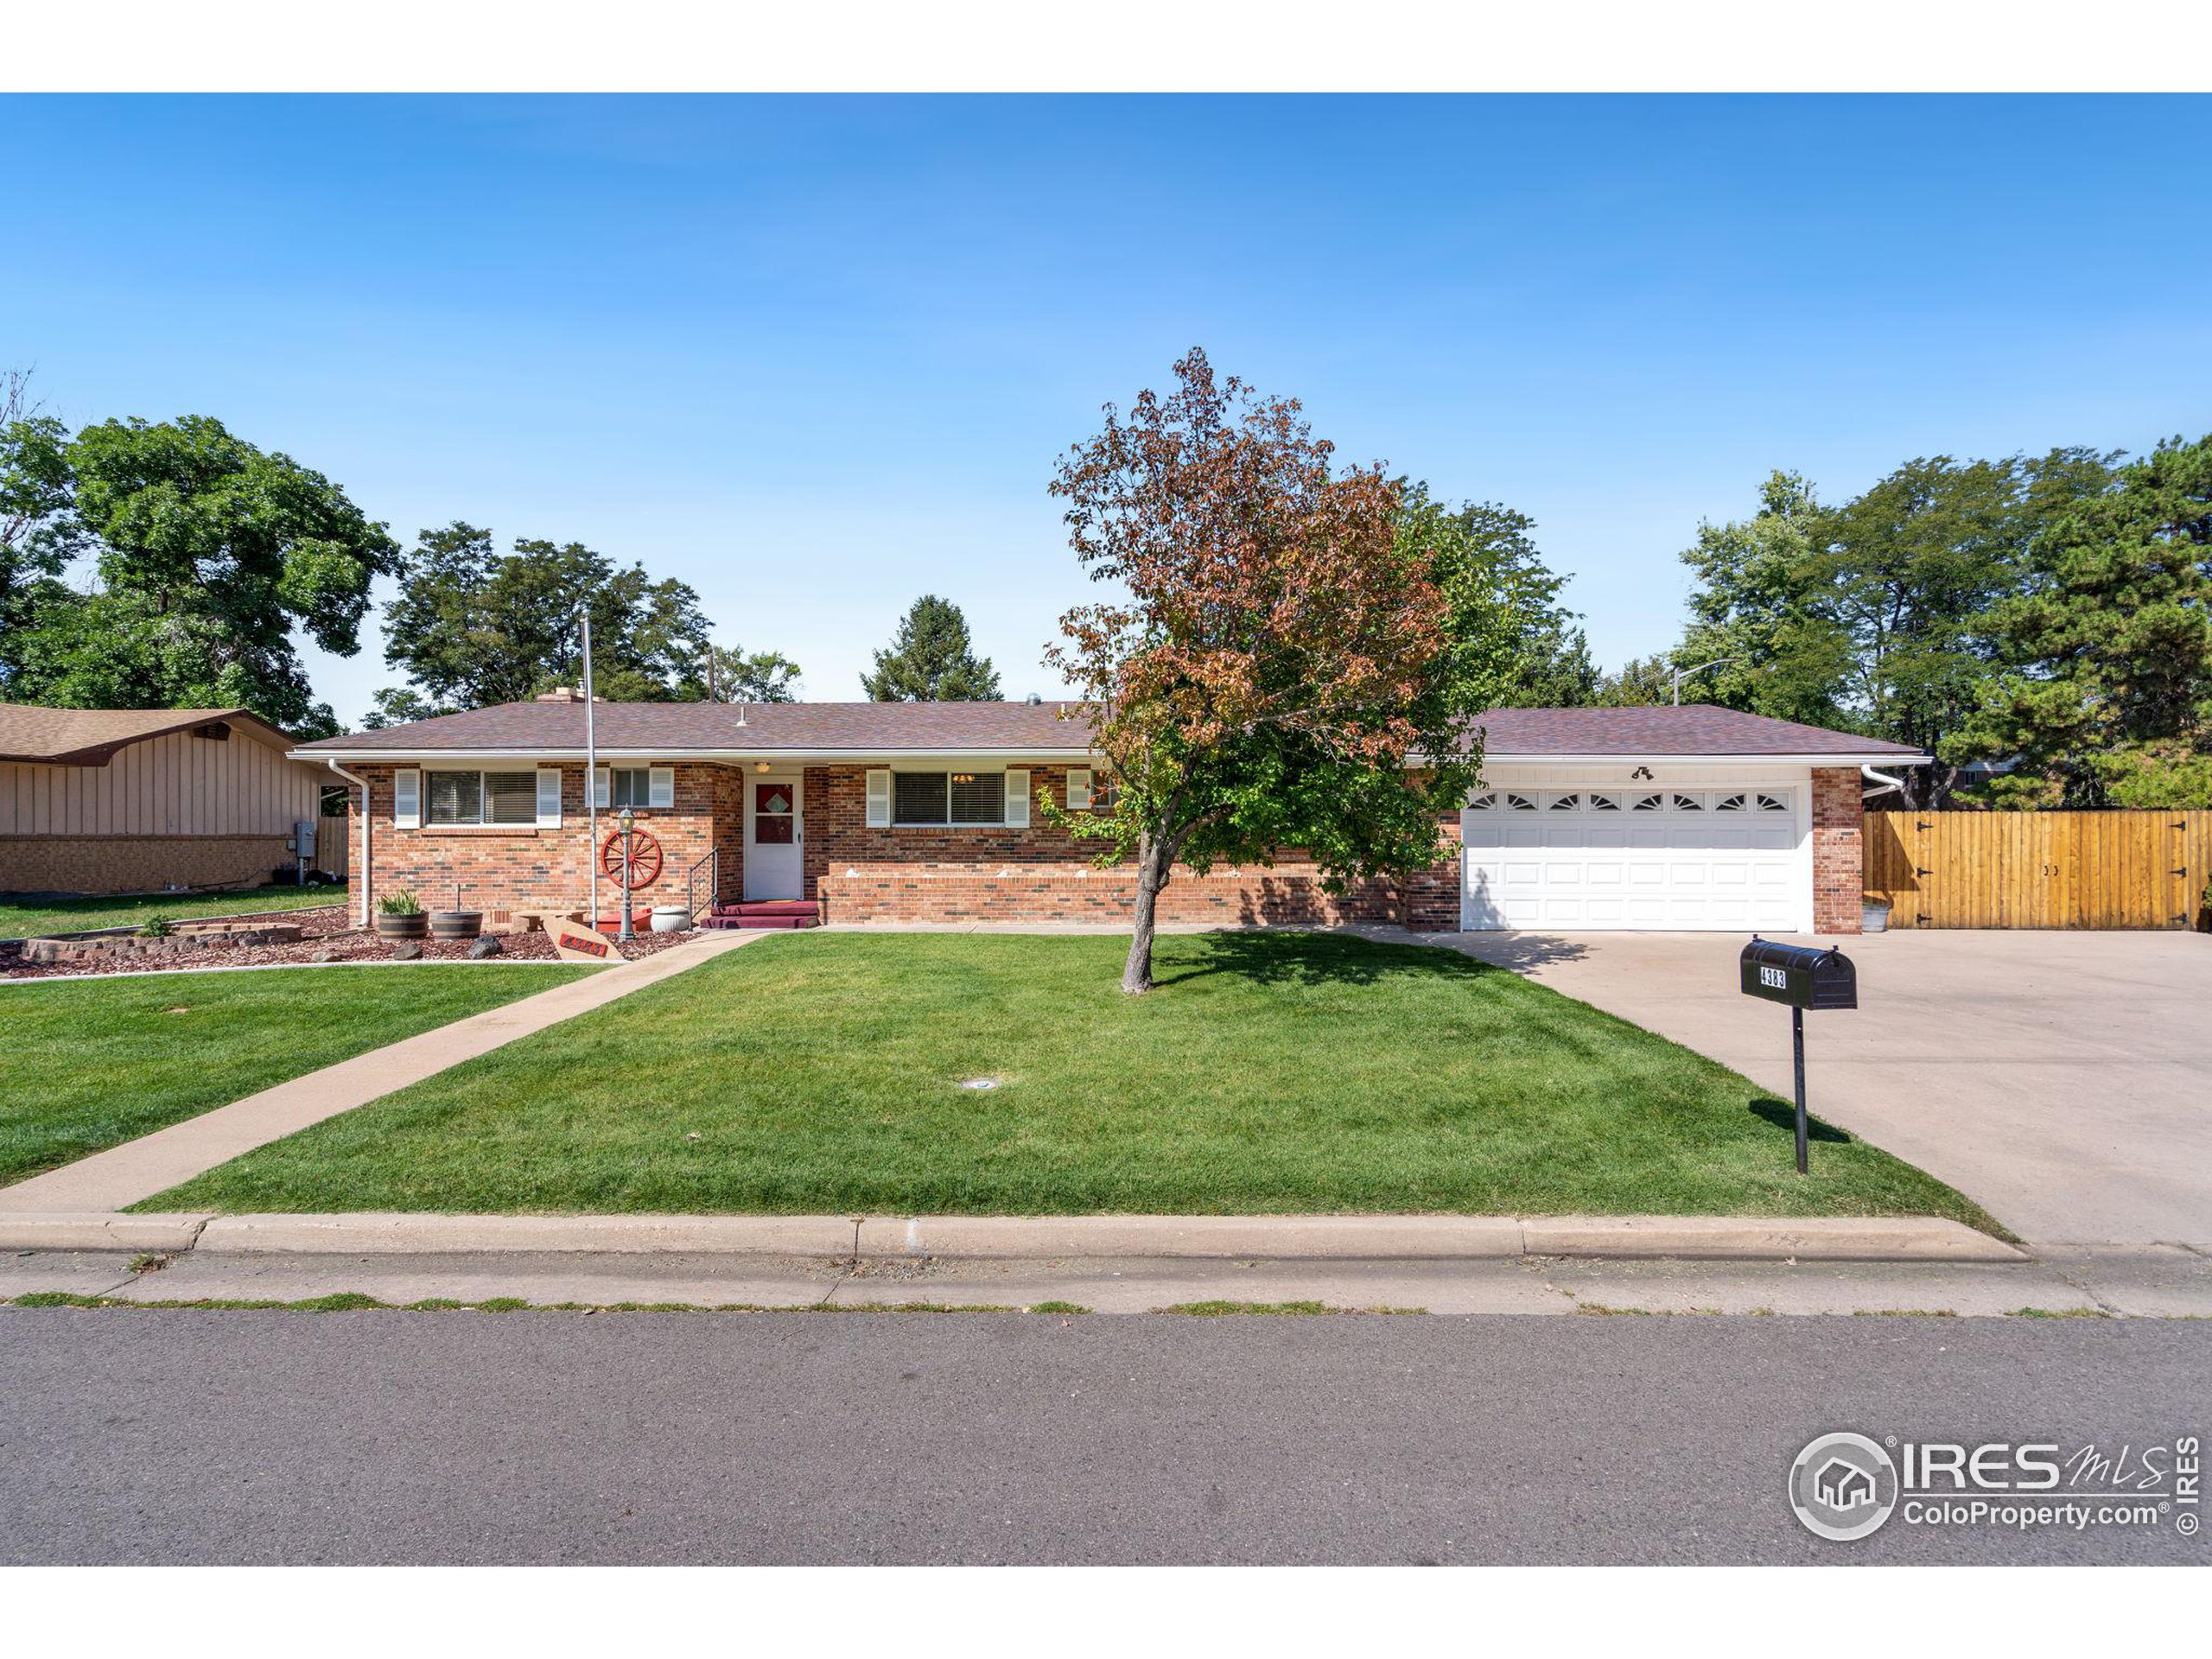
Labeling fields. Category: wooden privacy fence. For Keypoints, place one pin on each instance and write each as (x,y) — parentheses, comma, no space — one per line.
(2039,869)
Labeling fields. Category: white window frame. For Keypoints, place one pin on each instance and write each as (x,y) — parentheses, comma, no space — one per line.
(1014,811)
(660,788)
(483,798)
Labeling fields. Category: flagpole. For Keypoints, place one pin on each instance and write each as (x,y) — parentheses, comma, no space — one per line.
(591,775)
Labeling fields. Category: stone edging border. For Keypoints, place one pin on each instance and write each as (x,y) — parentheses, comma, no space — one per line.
(1898,1238)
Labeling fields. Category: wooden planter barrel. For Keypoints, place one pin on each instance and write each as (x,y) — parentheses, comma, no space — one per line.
(453,925)
(417,926)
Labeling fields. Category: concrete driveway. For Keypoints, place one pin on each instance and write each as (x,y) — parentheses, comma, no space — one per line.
(2065,1080)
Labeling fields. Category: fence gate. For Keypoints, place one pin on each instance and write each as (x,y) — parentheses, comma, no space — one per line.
(2039,869)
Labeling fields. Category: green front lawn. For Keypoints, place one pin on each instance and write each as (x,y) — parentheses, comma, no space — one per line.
(20,919)
(93,1063)
(1270,1072)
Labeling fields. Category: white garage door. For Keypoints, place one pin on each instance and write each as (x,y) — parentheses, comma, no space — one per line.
(1690,859)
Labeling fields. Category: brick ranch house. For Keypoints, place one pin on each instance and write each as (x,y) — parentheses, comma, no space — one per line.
(1690,817)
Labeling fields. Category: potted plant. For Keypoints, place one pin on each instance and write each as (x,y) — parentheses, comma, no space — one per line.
(399,916)
(1874,914)
(671,919)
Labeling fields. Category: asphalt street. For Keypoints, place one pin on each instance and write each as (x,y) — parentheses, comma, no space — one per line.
(278,1436)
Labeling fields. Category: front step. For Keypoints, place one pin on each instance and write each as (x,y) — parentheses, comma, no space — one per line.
(765,913)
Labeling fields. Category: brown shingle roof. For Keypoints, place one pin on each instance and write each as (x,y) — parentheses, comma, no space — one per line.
(669,728)
(87,737)
(678,728)
(1695,728)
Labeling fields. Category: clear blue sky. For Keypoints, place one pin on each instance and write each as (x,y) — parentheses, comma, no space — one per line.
(817,357)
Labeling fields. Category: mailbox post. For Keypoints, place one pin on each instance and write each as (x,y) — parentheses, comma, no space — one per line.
(1798,976)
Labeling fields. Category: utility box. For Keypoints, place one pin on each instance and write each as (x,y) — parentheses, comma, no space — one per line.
(1798,976)
(302,841)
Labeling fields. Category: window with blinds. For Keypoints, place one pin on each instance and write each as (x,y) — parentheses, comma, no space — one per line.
(948,798)
(481,797)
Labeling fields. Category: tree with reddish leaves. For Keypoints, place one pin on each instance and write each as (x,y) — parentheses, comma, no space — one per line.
(1277,650)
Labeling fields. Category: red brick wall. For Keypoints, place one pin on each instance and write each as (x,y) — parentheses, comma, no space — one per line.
(838,838)
(1040,873)
(897,874)
(505,865)
(1838,878)
(1289,894)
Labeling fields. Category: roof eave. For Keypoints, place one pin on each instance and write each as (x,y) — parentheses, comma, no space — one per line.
(723,756)
(1704,758)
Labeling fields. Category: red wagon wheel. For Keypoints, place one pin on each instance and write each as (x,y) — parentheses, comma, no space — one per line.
(645,858)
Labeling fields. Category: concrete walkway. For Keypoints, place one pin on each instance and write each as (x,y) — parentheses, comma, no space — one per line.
(138,1169)
(2062,1080)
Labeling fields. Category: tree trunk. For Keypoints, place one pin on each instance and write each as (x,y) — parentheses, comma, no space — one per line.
(1151,876)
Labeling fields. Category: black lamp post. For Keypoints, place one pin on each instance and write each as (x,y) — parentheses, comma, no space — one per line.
(624,820)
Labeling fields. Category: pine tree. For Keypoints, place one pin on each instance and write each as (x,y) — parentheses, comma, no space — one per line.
(2105,695)
(931,660)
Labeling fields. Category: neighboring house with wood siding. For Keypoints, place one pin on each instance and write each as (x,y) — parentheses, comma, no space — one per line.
(135,800)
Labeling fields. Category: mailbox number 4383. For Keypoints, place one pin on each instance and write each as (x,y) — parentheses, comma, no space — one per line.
(1773,979)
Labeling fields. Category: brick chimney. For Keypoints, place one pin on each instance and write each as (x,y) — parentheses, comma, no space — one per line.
(560,694)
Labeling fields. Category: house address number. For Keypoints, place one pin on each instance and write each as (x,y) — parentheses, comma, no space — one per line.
(1774,978)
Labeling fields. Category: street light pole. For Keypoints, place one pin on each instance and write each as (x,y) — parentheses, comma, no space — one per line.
(1682,674)
(591,778)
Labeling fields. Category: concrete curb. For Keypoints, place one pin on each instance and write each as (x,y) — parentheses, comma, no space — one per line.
(1275,1237)
(100,1230)
(1301,1237)
(374,1233)
(1826,1239)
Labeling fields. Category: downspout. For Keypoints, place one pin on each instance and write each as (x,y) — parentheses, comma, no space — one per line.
(1883,779)
(368,840)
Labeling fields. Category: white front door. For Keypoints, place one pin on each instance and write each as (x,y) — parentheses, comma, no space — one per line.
(775,851)
(1646,856)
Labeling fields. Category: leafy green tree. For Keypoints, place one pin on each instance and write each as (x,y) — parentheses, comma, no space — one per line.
(931,661)
(208,553)
(1641,683)
(39,531)
(1755,614)
(1871,616)
(736,675)
(1277,648)
(2104,691)
(472,626)
(1508,628)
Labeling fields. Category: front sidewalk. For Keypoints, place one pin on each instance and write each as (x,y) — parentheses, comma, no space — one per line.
(2115,1285)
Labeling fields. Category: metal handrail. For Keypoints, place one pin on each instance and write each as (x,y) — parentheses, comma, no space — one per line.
(712,862)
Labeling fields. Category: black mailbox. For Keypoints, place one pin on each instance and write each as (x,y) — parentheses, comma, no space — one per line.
(1798,976)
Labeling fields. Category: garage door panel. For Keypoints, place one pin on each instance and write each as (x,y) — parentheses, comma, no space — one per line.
(1703,858)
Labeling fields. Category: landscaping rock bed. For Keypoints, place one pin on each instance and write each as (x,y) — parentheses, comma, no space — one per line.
(306,938)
